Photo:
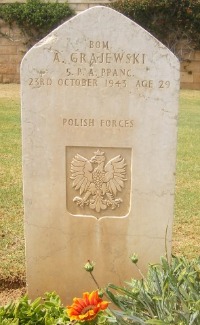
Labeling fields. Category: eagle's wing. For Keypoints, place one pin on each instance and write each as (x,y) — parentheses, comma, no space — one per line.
(81,169)
(115,174)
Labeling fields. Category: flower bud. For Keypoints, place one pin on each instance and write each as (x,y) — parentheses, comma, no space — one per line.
(89,266)
(100,293)
(134,258)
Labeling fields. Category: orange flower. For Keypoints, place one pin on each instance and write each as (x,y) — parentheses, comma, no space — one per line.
(86,308)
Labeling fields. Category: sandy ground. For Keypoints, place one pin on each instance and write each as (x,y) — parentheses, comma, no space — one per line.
(11,91)
(9,295)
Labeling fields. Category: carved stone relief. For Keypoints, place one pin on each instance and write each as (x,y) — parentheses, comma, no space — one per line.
(98,182)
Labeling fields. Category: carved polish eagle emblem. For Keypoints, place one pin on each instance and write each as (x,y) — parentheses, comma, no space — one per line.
(97,182)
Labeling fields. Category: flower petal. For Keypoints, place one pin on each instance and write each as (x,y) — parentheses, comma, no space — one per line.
(104,305)
(86,297)
(93,298)
(86,308)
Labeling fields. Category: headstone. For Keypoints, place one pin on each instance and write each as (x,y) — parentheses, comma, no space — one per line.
(99,119)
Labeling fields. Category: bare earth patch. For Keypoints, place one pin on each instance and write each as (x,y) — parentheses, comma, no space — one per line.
(9,295)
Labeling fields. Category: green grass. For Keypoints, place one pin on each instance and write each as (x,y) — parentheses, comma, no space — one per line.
(186,231)
(187,200)
(11,208)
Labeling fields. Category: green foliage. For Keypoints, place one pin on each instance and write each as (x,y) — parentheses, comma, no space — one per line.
(35,18)
(174,23)
(25,312)
(170,294)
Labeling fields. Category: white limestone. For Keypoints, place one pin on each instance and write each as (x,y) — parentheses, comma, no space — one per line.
(99,120)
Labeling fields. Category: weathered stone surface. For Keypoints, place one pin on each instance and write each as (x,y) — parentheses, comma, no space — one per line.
(99,118)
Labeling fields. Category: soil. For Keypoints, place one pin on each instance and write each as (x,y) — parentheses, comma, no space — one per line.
(9,295)
(11,289)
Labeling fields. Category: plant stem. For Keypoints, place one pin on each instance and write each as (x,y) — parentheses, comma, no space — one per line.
(142,275)
(95,281)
